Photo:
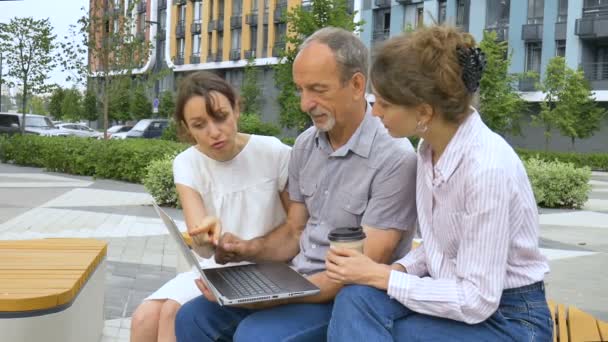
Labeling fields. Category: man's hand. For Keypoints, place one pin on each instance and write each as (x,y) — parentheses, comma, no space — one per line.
(206,235)
(232,249)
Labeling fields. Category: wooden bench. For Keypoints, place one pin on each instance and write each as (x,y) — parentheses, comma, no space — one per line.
(52,290)
(573,325)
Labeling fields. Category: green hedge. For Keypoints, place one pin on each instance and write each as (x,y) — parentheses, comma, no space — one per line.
(114,159)
(595,161)
(158,181)
(558,185)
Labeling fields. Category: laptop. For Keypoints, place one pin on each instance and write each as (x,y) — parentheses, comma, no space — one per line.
(241,284)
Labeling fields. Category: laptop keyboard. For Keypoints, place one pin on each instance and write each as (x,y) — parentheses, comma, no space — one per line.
(248,281)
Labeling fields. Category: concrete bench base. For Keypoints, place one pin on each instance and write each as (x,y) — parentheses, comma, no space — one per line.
(79,321)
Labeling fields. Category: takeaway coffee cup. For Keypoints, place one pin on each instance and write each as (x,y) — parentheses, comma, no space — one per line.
(348,237)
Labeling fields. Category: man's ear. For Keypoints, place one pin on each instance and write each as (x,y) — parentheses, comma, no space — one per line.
(359,83)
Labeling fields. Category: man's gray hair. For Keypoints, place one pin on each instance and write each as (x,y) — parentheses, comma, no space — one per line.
(350,52)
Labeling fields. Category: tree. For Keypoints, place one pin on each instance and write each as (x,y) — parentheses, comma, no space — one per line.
(27,44)
(166,107)
(7,103)
(500,105)
(71,106)
(303,21)
(576,114)
(140,106)
(113,54)
(38,105)
(552,86)
(250,91)
(90,110)
(55,103)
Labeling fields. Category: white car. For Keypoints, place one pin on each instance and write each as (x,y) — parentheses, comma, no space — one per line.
(79,130)
(118,131)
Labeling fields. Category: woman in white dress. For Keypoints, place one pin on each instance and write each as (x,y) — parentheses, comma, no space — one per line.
(229,182)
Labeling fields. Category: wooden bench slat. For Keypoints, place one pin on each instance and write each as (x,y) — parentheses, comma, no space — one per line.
(562,325)
(551,305)
(583,326)
(602,327)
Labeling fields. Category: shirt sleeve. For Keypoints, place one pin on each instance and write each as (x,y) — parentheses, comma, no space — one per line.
(293,182)
(392,202)
(415,262)
(183,172)
(284,156)
(481,260)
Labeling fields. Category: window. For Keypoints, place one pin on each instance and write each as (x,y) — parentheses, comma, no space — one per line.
(533,55)
(560,48)
(280,32)
(266,4)
(562,11)
(163,19)
(180,47)
(419,17)
(254,37)
(265,41)
(196,45)
(181,13)
(462,14)
(209,42)
(382,23)
(237,7)
(535,11)
(254,6)
(211,5)
(497,14)
(220,10)
(235,40)
(198,10)
(220,40)
(442,13)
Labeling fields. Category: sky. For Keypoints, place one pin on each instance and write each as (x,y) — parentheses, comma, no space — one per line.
(62,13)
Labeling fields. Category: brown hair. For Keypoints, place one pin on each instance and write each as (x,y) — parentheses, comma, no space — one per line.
(201,83)
(423,67)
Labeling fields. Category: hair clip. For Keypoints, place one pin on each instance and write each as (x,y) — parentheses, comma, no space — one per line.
(473,62)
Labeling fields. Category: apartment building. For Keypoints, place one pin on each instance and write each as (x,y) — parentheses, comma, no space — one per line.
(536,31)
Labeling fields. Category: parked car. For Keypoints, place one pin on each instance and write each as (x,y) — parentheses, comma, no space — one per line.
(79,130)
(34,124)
(148,128)
(118,132)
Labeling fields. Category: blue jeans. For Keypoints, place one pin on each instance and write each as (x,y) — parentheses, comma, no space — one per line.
(200,320)
(363,313)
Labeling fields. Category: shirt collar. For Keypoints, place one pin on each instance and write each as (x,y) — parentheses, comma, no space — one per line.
(454,152)
(359,143)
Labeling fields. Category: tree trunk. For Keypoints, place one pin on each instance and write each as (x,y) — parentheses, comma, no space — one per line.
(106,109)
(23,105)
(572,140)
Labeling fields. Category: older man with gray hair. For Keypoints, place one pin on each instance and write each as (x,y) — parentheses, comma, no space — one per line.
(345,171)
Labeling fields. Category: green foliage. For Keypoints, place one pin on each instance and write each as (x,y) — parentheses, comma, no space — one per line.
(304,22)
(558,185)
(500,105)
(119,102)
(252,124)
(113,159)
(55,103)
(595,161)
(288,141)
(27,44)
(38,105)
(71,106)
(166,107)
(250,92)
(140,105)
(90,109)
(553,86)
(170,133)
(6,103)
(158,181)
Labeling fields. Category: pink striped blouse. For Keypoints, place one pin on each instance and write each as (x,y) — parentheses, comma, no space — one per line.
(479,225)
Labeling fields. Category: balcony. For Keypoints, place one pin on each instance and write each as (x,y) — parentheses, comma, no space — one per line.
(279,11)
(179,60)
(251,19)
(235,54)
(592,27)
(180,29)
(382,3)
(527,84)
(212,25)
(532,32)
(219,55)
(596,74)
(560,30)
(195,59)
(210,57)
(380,35)
(236,21)
(278,48)
(142,5)
(162,4)
(409,2)
(179,2)
(502,32)
(195,28)
(220,24)
(249,54)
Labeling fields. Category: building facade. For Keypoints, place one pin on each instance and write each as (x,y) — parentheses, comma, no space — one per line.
(536,31)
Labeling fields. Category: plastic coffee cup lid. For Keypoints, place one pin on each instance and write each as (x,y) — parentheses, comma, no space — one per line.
(346,234)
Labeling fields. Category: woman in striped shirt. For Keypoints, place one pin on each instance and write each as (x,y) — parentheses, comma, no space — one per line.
(479,273)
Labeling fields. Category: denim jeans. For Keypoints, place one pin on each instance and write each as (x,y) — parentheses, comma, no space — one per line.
(363,313)
(200,320)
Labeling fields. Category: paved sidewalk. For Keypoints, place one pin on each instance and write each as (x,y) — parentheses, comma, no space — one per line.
(141,257)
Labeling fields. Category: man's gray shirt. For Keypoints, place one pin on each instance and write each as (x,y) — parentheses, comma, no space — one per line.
(370,181)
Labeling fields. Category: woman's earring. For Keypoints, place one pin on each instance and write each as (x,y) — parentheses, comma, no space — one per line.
(421,128)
